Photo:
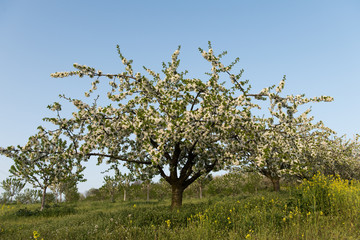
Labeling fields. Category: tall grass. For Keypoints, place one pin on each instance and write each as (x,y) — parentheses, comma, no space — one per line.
(320,208)
(330,195)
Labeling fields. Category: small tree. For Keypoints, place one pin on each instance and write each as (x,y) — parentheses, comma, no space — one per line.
(162,189)
(70,190)
(56,189)
(29,196)
(125,181)
(12,187)
(147,185)
(111,186)
(44,160)
(201,182)
(118,182)
(94,193)
(227,184)
(145,177)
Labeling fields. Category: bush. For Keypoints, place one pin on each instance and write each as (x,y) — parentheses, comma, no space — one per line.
(24,212)
(52,211)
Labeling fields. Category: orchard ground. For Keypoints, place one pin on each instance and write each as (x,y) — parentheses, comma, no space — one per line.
(320,208)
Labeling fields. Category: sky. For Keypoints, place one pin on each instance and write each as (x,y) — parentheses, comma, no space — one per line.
(316,44)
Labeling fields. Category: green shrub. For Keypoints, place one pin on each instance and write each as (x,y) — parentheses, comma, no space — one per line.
(53,211)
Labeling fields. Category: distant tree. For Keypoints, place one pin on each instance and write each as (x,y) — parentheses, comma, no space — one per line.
(226,185)
(89,192)
(57,190)
(201,182)
(145,178)
(45,160)
(70,190)
(4,199)
(82,196)
(162,189)
(29,196)
(96,194)
(335,156)
(278,144)
(120,181)
(50,197)
(111,186)
(252,181)
(12,187)
(147,185)
(125,181)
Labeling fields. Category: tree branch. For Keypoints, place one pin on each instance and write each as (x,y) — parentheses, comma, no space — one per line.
(162,173)
(117,157)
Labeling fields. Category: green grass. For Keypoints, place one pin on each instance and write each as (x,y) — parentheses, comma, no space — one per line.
(290,214)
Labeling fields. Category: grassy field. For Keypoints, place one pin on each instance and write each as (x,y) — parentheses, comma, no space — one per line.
(323,208)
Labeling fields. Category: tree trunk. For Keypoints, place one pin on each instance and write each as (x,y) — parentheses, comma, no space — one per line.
(177,195)
(56,196)
(124,194)
(148,192)
(276,183)
(43,199)
(112,197)
(200,191)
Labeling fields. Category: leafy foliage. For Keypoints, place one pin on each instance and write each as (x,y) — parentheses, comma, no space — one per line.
(45,160)
(29,196)
(12,187)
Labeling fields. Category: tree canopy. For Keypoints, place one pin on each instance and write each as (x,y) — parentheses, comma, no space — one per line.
(182,127)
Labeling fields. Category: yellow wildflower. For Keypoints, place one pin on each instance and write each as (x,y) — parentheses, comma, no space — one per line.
(168,223)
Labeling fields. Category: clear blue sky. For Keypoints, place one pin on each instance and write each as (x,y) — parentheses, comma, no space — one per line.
(315,43)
